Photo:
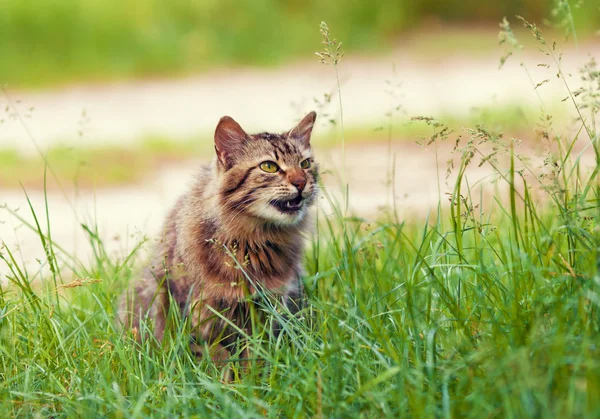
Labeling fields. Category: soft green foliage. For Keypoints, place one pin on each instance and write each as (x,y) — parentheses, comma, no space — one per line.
(57,41)
(96,166)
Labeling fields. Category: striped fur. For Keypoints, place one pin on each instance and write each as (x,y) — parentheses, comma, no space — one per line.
(225,239)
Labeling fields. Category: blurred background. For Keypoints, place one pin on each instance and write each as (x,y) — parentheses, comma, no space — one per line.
(119,98)
(50,42)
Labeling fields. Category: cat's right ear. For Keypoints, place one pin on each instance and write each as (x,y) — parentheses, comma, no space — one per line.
(229,138)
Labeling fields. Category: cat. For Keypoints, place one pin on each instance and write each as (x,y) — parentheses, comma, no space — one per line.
(237,232)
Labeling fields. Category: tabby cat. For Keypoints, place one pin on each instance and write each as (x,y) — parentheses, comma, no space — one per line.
(237,232)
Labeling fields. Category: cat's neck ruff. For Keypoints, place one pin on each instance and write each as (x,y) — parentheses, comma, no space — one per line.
(254,230)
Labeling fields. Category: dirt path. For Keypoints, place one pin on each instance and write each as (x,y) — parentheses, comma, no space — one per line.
(122,113)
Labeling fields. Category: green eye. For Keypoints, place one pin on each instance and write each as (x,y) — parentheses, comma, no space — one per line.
(305,164)
(269,166)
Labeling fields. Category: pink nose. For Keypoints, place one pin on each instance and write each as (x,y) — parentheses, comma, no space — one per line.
(298,181)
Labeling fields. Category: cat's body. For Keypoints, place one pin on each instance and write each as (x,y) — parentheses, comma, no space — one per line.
(237,231)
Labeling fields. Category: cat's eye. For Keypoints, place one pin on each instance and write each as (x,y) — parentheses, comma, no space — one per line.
(305,164)
(269,166)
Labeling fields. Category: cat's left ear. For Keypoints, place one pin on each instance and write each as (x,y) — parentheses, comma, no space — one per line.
(229,139)
(304,128)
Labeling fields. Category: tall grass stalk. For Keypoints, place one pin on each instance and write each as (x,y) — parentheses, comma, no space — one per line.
(331,55)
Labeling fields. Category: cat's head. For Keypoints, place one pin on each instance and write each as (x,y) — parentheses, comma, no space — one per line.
(271,177)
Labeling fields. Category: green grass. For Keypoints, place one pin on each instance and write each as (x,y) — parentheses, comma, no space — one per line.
(478,312)
(105,166)
(95,167)
(480,308)
(55,42)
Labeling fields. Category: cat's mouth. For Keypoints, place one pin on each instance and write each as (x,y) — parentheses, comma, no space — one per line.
(288,205)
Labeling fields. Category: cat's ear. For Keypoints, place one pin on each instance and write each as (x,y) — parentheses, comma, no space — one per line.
(229,138)
(304,128)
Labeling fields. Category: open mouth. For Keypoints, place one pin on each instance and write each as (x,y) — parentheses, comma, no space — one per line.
(289,205)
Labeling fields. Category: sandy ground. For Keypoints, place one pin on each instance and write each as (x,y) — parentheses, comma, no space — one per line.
(259,100)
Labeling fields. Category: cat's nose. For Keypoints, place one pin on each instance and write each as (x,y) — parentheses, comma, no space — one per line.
(298,181)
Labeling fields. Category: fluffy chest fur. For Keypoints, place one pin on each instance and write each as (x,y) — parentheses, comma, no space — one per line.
(212,260)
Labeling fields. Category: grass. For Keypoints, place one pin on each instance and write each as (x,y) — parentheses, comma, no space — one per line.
(106,166)
(93,40)
(473,312)
(92,167)
(481,308)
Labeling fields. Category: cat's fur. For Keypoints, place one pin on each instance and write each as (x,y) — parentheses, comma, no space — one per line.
(226,238)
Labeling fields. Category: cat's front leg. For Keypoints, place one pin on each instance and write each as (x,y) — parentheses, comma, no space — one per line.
(295,300)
